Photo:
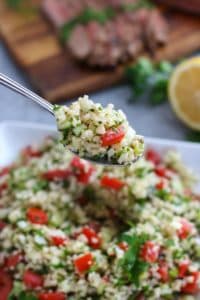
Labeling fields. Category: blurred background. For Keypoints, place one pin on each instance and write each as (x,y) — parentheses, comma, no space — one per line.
(123,52)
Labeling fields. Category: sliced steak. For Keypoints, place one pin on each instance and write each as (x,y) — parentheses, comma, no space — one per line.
(139,17)
(61,11)
(156,30)
(107,50)
(80,43)
(119,39)
(129,33)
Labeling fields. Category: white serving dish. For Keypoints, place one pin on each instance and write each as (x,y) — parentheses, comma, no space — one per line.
(16,135)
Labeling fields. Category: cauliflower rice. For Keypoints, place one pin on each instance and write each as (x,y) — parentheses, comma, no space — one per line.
(98,133)
(72,230)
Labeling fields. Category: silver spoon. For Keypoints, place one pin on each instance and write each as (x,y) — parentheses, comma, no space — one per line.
(20,89)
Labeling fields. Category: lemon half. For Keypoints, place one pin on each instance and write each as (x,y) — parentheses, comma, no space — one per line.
(184,92)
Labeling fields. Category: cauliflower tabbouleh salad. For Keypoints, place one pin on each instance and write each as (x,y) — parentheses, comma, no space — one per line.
(72,230)
(98,133)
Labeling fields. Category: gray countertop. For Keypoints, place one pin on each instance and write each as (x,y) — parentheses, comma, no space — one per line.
(149,121)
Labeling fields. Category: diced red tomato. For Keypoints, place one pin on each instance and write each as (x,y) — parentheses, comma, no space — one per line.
(52,296)
(111,182)
(160,185)
(32,280)
(153,156)
(192,287)
(77,163)
(84,177)
(183,268)
(150,252)
(112,137)
(3,187)
(37,216)
(13,260)
(93,238)
(163,271)
(82,171)
(58,240)
(29,152)
(6,285)
(2,225)
(83,263)
(163,172)
(185,230)
(56,174)
(123,246)
(5,171)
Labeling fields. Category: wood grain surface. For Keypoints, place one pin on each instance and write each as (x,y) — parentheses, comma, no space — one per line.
(34,45)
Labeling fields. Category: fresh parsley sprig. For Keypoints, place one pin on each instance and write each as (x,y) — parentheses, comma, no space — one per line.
(133,267)
(144,76)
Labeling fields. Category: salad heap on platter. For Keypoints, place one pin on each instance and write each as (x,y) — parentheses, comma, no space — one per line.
(73,230)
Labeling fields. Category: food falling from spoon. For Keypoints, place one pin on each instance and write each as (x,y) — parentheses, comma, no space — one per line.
(101,134)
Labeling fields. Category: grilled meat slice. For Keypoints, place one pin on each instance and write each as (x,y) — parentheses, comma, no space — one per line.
(107,49)
(61,11)
(80,43)
(117,40)
(156,30)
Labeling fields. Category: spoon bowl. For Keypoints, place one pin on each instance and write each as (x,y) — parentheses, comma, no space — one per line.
(20,89)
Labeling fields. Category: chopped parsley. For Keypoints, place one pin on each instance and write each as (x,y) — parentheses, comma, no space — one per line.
(40,185)
(17,295)
(141,172)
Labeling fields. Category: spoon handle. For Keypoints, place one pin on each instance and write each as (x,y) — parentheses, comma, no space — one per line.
(15,86)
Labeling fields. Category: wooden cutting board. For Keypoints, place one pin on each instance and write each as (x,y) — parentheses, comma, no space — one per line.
(56,75)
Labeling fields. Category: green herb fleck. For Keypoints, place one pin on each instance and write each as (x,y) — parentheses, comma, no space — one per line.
(22,296)
(141,172)
(56,107)
(40,185)
(173,273)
